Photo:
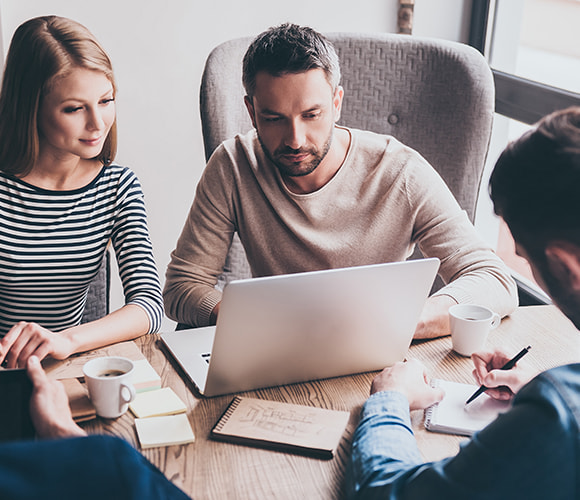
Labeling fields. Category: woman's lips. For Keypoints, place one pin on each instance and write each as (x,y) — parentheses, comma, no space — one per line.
(91,142)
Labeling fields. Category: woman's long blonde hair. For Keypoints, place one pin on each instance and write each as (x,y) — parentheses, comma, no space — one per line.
(42,50)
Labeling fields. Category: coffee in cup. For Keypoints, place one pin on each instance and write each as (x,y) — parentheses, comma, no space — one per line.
(111,373)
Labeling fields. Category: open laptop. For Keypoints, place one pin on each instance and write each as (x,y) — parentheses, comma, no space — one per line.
(297,327)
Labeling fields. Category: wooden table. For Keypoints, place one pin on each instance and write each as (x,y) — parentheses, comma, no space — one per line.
(208,469)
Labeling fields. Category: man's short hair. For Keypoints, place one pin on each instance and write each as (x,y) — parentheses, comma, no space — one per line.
(289,48)
(535,186)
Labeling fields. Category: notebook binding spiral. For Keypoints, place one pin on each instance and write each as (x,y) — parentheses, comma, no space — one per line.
(228,413)
(429,411)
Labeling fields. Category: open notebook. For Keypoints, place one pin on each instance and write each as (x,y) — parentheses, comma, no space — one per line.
(451,416)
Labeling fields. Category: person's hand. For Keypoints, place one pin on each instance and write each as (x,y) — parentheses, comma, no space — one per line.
(502,384)
(409,378)
(434,319)
(49,406)
(26,339)
(214,314)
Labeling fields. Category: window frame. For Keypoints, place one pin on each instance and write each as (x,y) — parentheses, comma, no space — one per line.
(519,99)
(515,97)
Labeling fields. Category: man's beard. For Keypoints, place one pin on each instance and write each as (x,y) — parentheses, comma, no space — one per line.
(302,168)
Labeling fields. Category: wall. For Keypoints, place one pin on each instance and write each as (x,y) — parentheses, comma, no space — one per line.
(158,51)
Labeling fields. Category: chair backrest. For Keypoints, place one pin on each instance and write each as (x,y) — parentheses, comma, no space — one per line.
(435,96)
(97,304)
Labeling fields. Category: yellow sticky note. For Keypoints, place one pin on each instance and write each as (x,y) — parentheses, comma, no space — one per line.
(164,431)
(156,403)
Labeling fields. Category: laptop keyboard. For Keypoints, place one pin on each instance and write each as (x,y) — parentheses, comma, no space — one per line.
(206,356)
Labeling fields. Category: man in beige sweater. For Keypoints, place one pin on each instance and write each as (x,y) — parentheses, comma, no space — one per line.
(305,194)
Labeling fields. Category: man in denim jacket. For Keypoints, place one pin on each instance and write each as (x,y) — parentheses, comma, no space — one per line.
(532,451)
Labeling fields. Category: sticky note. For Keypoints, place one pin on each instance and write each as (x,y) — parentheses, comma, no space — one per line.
(145,378)
(167,430)
(156,403)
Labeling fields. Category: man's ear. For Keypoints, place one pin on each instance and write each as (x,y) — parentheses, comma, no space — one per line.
(564,263)
(337,102)
(250,107)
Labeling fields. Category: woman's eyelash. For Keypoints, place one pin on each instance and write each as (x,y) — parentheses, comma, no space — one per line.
(72,109)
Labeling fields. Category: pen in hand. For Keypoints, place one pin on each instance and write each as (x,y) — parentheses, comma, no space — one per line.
(508,366)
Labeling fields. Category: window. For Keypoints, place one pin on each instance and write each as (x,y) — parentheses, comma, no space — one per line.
(537,40)
(532,47)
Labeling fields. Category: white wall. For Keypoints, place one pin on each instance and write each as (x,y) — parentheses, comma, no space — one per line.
(158,49)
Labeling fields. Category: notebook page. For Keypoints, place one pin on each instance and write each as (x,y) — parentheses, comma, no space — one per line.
(452,416)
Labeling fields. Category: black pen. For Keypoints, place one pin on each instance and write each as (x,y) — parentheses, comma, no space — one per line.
(508,366)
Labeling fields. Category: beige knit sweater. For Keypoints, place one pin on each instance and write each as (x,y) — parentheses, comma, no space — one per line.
(384,200)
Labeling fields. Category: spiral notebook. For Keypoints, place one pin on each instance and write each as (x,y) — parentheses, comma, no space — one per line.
(451,416)
(282,426)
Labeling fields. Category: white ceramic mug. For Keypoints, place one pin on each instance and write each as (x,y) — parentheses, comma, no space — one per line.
(109,382)
(470,325)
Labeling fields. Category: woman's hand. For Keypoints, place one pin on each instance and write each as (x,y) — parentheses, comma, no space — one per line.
(27,339)
(502,384)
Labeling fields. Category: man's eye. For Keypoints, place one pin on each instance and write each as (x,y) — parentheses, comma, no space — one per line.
(272,119)
(312,116)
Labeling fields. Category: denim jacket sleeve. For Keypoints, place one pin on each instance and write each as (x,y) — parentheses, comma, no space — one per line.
(532,451)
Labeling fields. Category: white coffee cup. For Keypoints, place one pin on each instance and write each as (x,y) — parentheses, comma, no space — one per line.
(109,382)
(470,325)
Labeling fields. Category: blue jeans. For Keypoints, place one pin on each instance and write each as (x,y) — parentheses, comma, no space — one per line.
(94,467)
(532,451)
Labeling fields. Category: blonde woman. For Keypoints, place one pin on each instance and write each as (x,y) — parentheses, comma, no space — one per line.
(62,199)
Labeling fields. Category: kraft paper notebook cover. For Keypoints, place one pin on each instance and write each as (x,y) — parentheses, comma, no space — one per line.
(72,367)
(78,398)
(451,416)
(282,426)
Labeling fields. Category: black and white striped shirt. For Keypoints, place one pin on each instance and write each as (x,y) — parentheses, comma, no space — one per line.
(52,244)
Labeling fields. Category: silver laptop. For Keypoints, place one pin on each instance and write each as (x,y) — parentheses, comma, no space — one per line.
(298,327)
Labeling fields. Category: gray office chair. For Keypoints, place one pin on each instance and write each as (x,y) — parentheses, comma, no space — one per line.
(435,96)
(97,304)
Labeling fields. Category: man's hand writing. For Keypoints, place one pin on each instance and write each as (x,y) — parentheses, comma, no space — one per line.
(502,384)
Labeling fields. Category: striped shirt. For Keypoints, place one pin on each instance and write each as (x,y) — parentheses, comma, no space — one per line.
(52,244)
